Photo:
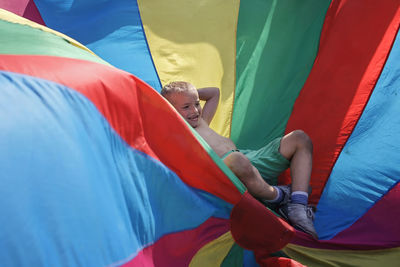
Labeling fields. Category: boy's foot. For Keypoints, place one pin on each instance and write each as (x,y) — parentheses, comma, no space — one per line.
(287,190)
(300,216)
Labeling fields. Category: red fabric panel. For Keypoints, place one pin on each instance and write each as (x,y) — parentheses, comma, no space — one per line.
(138,113)
(355,41)
(254,227)
(281,262)
(23,8)
(159,254)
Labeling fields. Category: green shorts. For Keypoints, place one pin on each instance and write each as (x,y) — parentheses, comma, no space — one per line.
(268,160)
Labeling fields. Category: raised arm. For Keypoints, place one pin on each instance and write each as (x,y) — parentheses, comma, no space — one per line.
(211,96)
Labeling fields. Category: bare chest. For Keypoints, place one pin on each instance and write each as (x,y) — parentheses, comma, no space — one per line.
(218,143)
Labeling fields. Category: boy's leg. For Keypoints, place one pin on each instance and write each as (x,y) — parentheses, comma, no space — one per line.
(249,175)
(297,147)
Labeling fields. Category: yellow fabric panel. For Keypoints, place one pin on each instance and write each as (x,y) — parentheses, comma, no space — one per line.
(11,17)
(214,253)
(195,41)
(344,258)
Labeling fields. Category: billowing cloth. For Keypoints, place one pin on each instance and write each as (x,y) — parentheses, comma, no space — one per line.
(88,177)
(327,67)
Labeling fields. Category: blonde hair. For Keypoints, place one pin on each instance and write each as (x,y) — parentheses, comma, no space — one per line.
(176,87)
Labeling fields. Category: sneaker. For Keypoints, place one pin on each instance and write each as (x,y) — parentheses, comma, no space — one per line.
(286,198)
(300,217)
(287,190)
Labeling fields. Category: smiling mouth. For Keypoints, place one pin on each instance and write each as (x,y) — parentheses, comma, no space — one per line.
(194,118)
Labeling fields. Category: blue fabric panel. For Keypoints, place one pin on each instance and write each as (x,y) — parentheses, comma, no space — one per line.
(249,259)
(368,166)
(110,28)
(73,192)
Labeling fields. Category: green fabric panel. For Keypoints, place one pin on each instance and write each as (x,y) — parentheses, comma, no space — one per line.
(277,42)
(234,257)
(18,39)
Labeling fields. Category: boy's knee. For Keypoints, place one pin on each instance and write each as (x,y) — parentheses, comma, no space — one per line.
(239,164)
(303,139)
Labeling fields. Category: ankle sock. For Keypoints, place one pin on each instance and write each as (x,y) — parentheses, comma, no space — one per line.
(299,197)
(279,196)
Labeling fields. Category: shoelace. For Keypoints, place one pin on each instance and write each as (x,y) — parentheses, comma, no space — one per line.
(310,212)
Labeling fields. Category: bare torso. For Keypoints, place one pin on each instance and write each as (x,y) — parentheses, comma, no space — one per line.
(218,143)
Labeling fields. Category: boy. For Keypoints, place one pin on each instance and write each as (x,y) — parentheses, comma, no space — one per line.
(256,169)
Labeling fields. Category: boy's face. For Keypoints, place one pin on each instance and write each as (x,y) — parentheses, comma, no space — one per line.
(187,104)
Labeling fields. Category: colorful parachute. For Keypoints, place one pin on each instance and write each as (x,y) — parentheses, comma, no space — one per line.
(98,169)
(86,142)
